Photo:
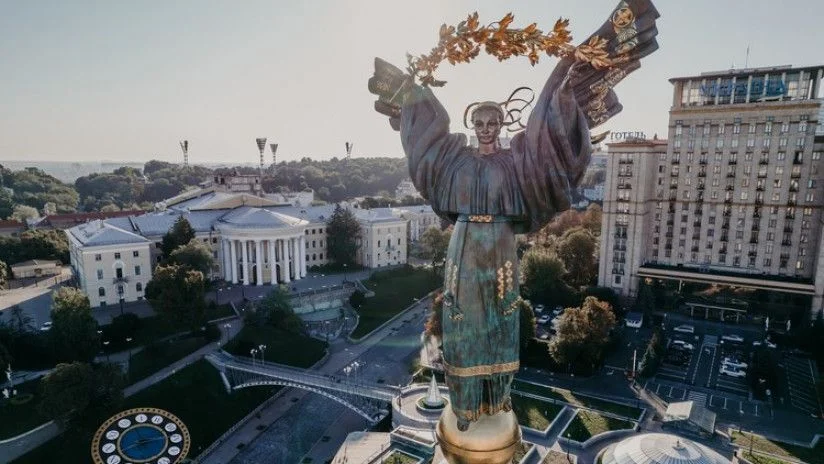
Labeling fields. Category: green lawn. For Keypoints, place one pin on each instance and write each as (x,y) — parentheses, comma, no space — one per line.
(394,291)
(195,394)
(18,418)
(281,346)
(157,356)
(760,443)
(756,458)
(584,401)
(534,413)
(587,424)
(398,457)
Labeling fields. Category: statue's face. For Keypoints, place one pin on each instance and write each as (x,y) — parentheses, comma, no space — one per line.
(487,124)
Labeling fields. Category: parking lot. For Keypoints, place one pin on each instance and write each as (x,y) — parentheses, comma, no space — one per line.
(800,375)
(727,405)
(728,383)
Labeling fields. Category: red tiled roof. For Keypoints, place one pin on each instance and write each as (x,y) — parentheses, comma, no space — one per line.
(11,224)
(64,221)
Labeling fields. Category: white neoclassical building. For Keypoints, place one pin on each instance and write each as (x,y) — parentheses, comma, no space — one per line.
(254,241)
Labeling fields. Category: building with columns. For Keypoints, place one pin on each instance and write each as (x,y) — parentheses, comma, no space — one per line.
(254,240)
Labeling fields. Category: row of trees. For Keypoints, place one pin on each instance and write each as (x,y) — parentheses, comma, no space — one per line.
(35,244)
(34,188)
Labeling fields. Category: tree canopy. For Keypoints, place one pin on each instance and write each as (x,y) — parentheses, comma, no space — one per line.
(33,187)
(343,231)
(434,244)
(196,255)
(178,235)
(73,334)
(577,249)
(582,334)
(176,293)
(542,278)
(35,244)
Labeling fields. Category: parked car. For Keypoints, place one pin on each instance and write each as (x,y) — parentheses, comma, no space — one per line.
(733,338)
(544,336)
(558,311)
(766,343)
(685,328)
(46,326)
(539,308)
(543,319)
(734,363)
(678,357)
(733,372)
(683,344)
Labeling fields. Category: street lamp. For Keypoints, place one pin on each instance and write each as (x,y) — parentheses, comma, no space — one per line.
(344,272)
(262,349)
(106,345)
(121,304)
(253,352)
(129,347)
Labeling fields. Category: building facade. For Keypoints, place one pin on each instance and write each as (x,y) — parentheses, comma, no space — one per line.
(253,240)
(734,197)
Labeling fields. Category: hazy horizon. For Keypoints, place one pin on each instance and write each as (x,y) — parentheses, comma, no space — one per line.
(120,81)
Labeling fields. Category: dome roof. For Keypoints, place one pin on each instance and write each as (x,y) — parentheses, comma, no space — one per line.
(249,217)
(661,448)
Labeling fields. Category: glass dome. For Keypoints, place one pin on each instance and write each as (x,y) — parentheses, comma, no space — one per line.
(660,448)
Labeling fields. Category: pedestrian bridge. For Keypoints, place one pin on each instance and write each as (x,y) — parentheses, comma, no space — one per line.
(368,399)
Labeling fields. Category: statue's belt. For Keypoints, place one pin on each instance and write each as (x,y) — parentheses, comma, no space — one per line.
(487,369)
(484,218)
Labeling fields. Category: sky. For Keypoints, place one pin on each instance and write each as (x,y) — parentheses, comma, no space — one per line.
(125,81)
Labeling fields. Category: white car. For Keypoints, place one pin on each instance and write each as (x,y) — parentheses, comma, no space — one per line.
(558,311)
(683,344)
(733,338)
(766,343)
(543,319)
(46,326)
(539,308)
(685,329)
(734,363)
(733,372)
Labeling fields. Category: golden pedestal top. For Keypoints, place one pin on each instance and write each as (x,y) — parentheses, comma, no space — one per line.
(490,440)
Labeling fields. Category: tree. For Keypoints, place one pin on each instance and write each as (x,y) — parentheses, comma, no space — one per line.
(194,255)
(74,331)
(23,212)
(434,244)
(645,302)
(6,203)
(577,250)
(4,275)
(542,275)
(176,293)
(528,323)
(107,388)
(433,325)
(342,230)
(179,234)
(591,219)
(569,219)
(276,310)
(357,299)
(66,392)
(582,334)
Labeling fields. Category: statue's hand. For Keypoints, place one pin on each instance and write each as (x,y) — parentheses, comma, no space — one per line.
(392,86)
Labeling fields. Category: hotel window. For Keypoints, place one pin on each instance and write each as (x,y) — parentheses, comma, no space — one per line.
(781,155)
(816,155)
(705,143)
(750,142)
(809,198)
(751,129)
(736,128)
(744,195)
(776,196)
(721,128)
(706,130)
(770,236)
(100,274)
(802,127)
(769,248)
(677,143)
(799,264)
(803,238)
(768,127)
(136,253)
(808,211)
(782,142)
(779,170)
(765,143)
(691,144)
(811,183)
(719,143)
(767,262)
(785,127)
(800,142)
(98,257)
(101,291)
(679,129)
(137,270)
(734,143)
(777,183)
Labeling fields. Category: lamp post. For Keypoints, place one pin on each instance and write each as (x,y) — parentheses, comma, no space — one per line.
(106,345)
(253,352)
(121,304)
(262,349)
(226,328)
(344,272)
(129,347)
(566,435)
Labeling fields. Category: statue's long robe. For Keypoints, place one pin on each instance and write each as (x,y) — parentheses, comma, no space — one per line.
(493,197)
(490,199)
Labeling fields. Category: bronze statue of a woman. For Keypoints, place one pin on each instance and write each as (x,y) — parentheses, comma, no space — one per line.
(492,193)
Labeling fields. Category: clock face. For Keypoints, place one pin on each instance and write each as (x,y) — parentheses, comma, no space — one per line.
(142,435)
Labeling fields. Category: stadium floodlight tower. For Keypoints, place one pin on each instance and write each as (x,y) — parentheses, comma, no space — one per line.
(261,144)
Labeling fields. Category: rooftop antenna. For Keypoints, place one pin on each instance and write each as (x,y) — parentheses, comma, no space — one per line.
(261,143)
(349,146)
(184,145)
(747,59)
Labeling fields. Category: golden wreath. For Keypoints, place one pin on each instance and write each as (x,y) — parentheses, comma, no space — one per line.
(463,43)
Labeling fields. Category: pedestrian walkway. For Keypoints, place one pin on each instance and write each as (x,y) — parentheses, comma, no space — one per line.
(698,397)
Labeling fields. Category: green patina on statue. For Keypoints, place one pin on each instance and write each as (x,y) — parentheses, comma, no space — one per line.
(492,193)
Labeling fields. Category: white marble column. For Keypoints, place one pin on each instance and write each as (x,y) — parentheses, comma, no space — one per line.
(302,247)
(284,261)
(224,250)
(295,257)
(245,251)
(272,265)
(259,261)
(233,259)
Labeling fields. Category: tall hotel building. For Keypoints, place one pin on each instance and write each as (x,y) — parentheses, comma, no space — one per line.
(733,198)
